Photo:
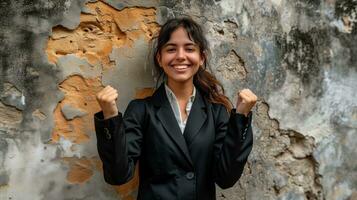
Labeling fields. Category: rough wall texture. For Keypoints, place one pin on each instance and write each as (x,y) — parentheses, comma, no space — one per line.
(299,56)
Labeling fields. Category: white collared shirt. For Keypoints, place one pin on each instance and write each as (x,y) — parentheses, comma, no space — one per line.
(176,107)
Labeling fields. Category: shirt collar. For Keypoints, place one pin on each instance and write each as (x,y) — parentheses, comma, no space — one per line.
(171,95)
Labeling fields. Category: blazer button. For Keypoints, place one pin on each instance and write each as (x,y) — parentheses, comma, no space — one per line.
(190,175)
(107,134)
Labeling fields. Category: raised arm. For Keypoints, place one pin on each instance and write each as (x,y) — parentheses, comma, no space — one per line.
(118,138)
(234,140)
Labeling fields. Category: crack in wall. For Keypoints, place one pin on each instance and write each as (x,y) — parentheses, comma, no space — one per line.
(282,165)
(292,154)
(9,115)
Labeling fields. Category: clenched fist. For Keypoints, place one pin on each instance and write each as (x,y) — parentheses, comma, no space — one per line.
(107,101)
(246,101)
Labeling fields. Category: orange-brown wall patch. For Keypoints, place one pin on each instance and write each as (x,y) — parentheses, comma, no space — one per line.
(100,32)
(94,39)
(79,93)
(81,170)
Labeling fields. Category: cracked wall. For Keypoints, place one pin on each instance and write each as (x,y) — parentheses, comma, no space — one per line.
(298,56)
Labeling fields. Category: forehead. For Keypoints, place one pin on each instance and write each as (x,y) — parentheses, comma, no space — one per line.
(180,36)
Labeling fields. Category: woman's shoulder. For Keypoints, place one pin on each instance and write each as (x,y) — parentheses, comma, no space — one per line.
(217,106)
(218,109)
(137,107)
(139,102)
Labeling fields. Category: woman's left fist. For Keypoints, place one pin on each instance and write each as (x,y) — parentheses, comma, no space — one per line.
(246,101)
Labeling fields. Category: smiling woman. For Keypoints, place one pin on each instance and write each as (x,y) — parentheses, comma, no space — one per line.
(183,136)
(190,35)
(180,58)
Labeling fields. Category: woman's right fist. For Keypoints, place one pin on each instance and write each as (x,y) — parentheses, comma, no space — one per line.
(107,101)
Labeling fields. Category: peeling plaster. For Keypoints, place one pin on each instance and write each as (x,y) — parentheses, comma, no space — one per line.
(70,112)
(9,115)
(81,170)
(86,55)
(316,121)
(282,163)
(79,93)
(232,67)
(72,65)
(97,34)
(299,57)
(13,96)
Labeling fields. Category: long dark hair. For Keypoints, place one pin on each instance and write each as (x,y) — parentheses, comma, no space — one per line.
(208,85)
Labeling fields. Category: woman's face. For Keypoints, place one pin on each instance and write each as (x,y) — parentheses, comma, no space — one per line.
(180,58)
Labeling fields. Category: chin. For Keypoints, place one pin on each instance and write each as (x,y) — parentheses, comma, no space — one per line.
(182,79)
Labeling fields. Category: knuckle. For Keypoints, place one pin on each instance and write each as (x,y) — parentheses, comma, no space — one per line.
(98,97)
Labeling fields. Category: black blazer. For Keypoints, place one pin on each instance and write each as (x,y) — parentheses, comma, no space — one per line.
(213,149)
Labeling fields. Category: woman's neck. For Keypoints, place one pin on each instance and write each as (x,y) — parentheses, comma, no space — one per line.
(182,90)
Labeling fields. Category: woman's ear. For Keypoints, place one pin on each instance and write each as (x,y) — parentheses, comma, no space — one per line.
(203,58)
(158,58)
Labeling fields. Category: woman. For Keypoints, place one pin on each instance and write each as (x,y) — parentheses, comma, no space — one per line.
(183,135)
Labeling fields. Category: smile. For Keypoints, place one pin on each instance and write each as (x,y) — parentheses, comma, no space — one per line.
(180,67)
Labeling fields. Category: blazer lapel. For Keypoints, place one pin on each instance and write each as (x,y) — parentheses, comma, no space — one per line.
(195,119)
(168,120)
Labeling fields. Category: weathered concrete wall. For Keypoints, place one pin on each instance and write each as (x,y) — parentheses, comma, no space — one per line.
(298,56)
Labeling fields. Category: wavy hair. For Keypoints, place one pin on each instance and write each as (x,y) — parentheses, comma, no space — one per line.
(203,80)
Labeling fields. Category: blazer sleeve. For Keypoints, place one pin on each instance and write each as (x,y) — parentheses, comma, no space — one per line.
(233,144)
(119,141)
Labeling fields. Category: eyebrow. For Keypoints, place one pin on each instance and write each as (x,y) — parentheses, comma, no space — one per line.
(173,44)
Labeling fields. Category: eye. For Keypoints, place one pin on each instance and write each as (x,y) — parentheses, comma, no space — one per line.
(190,48)
(170,50)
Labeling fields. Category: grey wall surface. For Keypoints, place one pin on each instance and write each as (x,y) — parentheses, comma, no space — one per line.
(298,56)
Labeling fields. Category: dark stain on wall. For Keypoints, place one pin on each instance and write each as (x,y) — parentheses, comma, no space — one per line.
(349,42)
(303,53)
(300,54)
(25,26)
(346,10)
(308,5)
(4,178)
(38,9)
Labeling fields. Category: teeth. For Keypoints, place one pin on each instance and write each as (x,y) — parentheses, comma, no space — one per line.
(180,66)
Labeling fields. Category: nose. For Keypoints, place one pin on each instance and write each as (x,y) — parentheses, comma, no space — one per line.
(180,54)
